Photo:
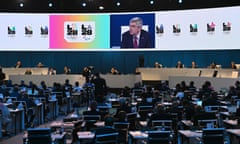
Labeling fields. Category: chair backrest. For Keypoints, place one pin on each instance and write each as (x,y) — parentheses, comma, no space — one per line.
(161,137)
(163,124)
(17,103)
(131,118)
(39,136)
(145,107)
(121,125)
(10,98)
(111,138)
(91,117)
(137,92)
(122,128)
(208,123)
(213,136)
(211,108)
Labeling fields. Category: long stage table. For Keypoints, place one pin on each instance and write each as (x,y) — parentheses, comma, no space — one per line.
(21,71)
(49,79)
(157,74)
(217,83)
(224,77)
(113,81)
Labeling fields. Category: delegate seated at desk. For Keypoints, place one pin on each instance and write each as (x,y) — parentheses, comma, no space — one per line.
(30,115)
(157,65)
(200,114)
(114,71)
(6,120)
(213,65)
(18,64)
(233,65)
(28,71)
(66,70)
(51,71)
(159,114)
(179,64)
(2,75)
(93,109)
(194,65)
(40,65)
(108,128)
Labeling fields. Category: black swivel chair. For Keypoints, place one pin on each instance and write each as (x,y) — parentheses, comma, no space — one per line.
(213,136)
(159,137)
(122,128)
(39,136)
(111,138)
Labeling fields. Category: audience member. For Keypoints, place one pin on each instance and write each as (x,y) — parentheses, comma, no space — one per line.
(108,128)
(93,109)
(100,87)
(30,115)
(86,72)
(22,84)
(210,100)
(200,114)
(192,87)
(6,120)
(147,96)
(124,106)
(15,92)
(121,116)
(188,109)
(159,114)
(77,88)
(2,75)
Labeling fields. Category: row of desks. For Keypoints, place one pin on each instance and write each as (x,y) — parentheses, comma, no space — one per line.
(185,135)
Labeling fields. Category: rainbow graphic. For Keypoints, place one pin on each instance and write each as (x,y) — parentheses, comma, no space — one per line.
(79,31)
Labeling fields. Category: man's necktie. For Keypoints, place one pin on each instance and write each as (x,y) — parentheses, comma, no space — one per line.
(135,42)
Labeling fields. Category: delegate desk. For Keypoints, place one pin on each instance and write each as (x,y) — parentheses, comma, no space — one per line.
(234,135)
(39,109)
(21,71)
(18,120)
(157,74)
(53,108)
(187,135)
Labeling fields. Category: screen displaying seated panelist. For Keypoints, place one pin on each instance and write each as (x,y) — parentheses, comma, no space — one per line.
(132,31)
(136,37)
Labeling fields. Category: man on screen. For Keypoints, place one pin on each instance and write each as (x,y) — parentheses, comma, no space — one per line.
(136,37)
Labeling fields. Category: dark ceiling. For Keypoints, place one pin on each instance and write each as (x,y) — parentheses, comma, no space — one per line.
(109,5)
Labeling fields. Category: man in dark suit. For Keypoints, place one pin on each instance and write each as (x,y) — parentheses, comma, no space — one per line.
(100,87)
(136,37)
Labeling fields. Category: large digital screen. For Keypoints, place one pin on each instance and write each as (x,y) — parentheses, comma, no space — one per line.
(200,29)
